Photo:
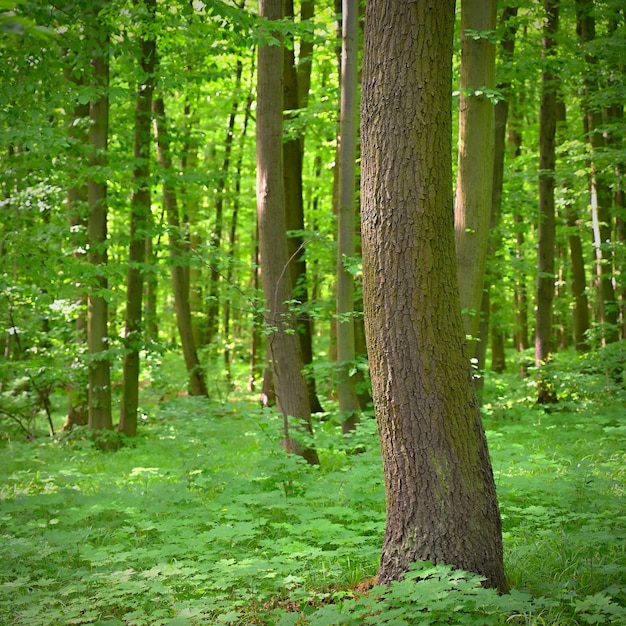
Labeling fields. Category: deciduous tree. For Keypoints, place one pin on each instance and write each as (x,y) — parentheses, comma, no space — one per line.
(283,344)
(441,498)
(98,310)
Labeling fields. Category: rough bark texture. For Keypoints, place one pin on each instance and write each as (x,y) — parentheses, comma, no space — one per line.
(282,341)
(97,315)
(139,221)
(441,499)
(180,278)
(472,206)
(547,226)
(346,216)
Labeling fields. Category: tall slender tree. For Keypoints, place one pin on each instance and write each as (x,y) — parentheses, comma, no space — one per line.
(472,207)
(547,224)
(140,207)
(346,217)
(98,312)
(180,277)
(441,497)
(601,195)
(78,135)
(282,341)
(293,155)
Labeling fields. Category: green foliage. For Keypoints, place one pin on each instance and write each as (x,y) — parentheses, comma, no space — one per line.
(205,519)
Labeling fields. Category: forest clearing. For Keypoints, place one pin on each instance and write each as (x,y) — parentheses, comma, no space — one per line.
(312,312)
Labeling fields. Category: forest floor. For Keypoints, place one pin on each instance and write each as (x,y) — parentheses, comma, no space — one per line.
(203,519)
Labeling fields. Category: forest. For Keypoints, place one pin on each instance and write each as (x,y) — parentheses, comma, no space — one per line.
(312,312)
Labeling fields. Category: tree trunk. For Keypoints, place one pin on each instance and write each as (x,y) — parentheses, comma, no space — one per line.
(547,228)
(234,227)
(514,139)
(180,282)
(441,498)
(501,116)
(77,413)
(140,207)
(346,215)
(490,324)
(216,237)
(97,316)
(472,205)
(601,194)
(294,209)
(282,341)
(580,313)
(151,282)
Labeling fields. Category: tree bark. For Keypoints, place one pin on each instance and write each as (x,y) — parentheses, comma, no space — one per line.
(441,498)
(78,120)
(234,224)
(520,297)
(140,207)
(282,341)
(490,324)
(346,215)
(213,308)
(180,282)
(474,183)
(97,316)
(547,227)
(580,312)
(601,193)
(293,149)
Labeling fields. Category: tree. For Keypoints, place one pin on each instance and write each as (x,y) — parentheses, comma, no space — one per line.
(97,317)
(293,153)
(441,498)
(501,114)
(601,193)
(76,199)
(472,207)
(283,344)
(346,214)
(180,277)
(140,207)
(547,233)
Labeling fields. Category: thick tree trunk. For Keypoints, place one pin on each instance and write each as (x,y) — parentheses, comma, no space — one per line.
(441,498)
(97,316)
(140,207)
(547,227)
(282,341)
(180,278)
(472,207)
(346,215)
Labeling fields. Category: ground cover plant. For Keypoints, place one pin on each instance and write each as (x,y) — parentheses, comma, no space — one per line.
(203,519)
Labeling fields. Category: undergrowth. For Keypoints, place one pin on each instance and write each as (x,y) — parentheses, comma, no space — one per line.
(203,519)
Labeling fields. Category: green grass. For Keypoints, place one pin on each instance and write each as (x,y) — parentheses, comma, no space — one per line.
(203,519)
